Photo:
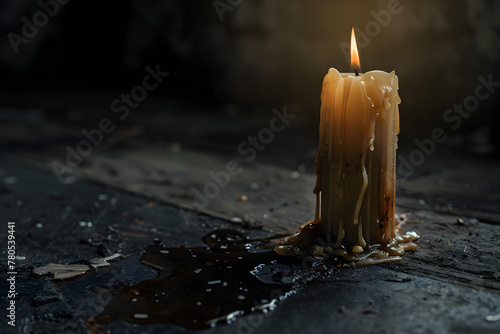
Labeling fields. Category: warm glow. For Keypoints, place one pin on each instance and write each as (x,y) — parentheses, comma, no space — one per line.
(355,63)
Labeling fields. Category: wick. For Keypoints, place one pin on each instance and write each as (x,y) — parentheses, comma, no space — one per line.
(356,72)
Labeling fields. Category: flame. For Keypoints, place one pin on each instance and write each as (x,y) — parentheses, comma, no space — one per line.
(355,63)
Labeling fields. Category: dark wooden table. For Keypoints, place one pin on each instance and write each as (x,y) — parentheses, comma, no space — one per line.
(134,191)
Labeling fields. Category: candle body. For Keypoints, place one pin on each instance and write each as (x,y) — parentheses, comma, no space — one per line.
(356,161)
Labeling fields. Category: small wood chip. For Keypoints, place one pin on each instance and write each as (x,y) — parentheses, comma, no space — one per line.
(492,318)
(103,261)
(62,271)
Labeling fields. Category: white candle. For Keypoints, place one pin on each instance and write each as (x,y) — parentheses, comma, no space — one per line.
(356,169)
(357,159)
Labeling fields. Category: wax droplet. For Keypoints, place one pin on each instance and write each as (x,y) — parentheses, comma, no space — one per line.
(357,249)
(413,234)
(387,102)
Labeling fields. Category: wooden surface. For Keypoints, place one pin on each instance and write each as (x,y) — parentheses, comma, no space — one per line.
(136,192)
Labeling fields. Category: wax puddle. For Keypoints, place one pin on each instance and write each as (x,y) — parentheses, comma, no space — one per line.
(200,287)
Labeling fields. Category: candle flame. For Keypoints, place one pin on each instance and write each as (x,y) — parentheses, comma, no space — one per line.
(355,63)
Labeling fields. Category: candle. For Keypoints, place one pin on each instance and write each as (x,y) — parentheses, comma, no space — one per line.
(356,168)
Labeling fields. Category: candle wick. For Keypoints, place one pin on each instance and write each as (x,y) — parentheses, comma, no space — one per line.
(356,72)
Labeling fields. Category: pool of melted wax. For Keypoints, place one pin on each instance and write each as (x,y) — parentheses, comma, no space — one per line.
(310,241)
(200,287)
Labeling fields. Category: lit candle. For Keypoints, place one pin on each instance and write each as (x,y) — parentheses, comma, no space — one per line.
(356,167)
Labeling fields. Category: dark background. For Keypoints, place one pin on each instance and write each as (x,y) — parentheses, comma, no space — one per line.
(261,55)
(137,186)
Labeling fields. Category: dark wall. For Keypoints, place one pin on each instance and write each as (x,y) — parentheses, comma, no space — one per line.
(263,53)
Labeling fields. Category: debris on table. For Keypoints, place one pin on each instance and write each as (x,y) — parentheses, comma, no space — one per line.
(64,271)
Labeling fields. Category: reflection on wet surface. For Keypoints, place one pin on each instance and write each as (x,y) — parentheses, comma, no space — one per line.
(199,287)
